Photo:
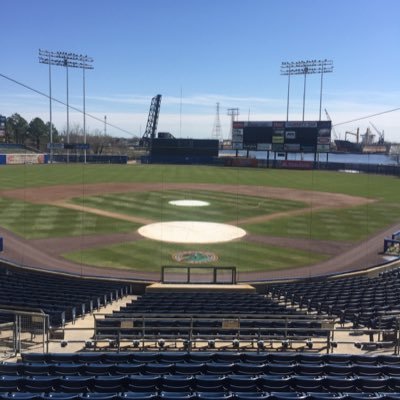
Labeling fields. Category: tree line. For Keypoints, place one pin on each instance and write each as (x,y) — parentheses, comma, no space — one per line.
(36,134)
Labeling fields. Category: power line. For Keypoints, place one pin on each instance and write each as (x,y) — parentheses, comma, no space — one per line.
(64,104)
(368,116)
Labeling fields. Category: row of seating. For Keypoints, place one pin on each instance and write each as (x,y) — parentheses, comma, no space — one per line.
(369,302)
(62,297)
(291,358)
(173,356)
(167,395)
(185,368)
(210,383)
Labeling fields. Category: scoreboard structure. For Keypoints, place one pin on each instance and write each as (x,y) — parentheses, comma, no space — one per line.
(282,136)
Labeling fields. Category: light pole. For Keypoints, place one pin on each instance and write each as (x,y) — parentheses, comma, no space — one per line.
(67,60)
(305,68)
(326,66)
(43,54)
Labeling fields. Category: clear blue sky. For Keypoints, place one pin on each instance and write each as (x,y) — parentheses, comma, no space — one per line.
(198,53)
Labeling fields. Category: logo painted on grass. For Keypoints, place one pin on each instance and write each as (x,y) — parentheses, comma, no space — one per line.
(195,257)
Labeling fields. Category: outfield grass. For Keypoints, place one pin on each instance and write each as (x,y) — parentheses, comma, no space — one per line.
(147,255)
(385,188)
(37,221)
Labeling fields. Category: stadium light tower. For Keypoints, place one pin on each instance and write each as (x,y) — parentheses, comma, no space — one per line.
(67,60)
(305,68)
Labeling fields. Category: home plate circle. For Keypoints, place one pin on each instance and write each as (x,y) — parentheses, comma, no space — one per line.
(191,232)
(189,203)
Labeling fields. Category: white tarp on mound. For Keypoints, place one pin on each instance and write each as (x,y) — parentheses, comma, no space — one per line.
(191,232)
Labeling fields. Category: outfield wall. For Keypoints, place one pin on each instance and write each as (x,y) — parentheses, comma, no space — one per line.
(23,158)
(91,158)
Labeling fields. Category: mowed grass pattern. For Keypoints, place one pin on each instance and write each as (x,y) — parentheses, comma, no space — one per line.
(34,221)
(154,205)
(351,224)
(148,256)
(37,221)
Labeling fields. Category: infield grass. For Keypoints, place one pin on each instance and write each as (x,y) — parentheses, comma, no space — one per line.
(155,205)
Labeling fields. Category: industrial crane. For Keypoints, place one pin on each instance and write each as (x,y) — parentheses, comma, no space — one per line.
(381,135)
(335,135)
(152,121)
(356,134)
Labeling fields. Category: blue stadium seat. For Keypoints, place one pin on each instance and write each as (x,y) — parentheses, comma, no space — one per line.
(177,395)
(128,368)
(10,383)
(248,368)
(219,368)
(39,383)
(109,384)
(305,383)
(242,383)
(159,368)
(215,396)
(10,368)
(143,383)
(271,383)
(101,396)
(139,395)
(61,396)
(96,368)
(64,369)
(145,357)
(176,383)
(24,396)
(76,384)
(251,396)
(210,383)
(189,368)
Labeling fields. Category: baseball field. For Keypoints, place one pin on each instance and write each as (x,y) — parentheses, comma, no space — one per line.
(294,222)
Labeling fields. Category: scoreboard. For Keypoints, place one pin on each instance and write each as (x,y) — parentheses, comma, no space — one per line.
(282,136)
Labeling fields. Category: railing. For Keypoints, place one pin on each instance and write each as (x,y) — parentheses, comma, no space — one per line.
(26,331)
(203,274)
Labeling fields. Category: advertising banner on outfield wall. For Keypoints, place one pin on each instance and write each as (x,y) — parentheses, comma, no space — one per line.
(21,158)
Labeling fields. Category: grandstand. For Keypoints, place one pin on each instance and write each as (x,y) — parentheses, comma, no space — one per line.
(213,343)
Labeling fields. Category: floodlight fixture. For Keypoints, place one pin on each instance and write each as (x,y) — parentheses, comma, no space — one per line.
(161,343)
(136,343)
(306,67)
(235,343)
(64,343)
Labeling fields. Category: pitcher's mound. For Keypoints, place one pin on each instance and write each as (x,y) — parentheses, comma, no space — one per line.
(191,232)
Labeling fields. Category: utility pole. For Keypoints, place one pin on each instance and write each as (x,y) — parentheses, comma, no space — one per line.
(217,130)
